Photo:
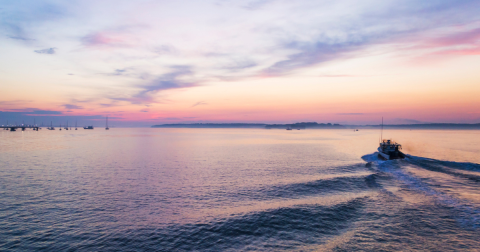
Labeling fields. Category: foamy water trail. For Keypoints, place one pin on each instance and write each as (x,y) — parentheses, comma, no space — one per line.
(466,212)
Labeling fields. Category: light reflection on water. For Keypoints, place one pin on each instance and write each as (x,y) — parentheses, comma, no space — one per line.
(239,189)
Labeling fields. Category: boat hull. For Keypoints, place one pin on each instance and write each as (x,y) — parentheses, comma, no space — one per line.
(390,156)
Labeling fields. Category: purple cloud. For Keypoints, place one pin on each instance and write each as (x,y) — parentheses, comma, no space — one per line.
(171,80)
(71,106)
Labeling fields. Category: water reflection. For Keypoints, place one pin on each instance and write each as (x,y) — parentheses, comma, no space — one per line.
(175,189)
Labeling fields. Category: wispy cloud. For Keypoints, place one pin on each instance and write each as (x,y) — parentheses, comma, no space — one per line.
(116,72)
(44,112)
(18,18)
(167,81)
(106,105)
(72,106)
(20,38)
(468,37)
(165,49)
(118,36)
(199,103)
(350,114)
(363,32)
(337,75)
(119,71)
(46,51)
(239,65)
(102,39)
(256,4)
(327,48)
(465,42)
(15,31)
(15,102)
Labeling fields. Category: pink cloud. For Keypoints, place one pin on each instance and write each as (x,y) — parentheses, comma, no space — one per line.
(463,43)
(107,39)
(461,38)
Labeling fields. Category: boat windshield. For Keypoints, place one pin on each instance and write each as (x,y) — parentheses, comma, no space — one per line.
(387,143)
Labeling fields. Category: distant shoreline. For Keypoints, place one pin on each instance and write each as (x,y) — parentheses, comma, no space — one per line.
(426,126)
(314,125)
(302,125)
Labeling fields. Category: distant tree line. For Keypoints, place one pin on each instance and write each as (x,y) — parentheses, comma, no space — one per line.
(303,125)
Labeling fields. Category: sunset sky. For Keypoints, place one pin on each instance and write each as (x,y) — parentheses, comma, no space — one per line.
(153,62)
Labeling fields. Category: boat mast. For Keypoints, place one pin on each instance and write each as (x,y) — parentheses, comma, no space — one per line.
(381,132)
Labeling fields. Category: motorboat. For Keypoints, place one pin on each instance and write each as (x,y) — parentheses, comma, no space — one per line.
(389,150)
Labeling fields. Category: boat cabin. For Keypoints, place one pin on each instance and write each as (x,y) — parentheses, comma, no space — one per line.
(388,146)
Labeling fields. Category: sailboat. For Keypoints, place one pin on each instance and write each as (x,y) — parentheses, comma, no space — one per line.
(75,125)
(106,125)
(51,126)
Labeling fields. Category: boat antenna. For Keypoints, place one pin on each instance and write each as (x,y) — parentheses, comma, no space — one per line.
(381,132)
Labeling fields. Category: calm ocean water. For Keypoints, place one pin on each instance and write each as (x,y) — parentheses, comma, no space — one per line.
(237,189)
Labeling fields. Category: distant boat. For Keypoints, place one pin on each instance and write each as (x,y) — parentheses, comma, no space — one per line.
(88,127)
(106,125)
(289,128)
(51,126)
(75,125)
